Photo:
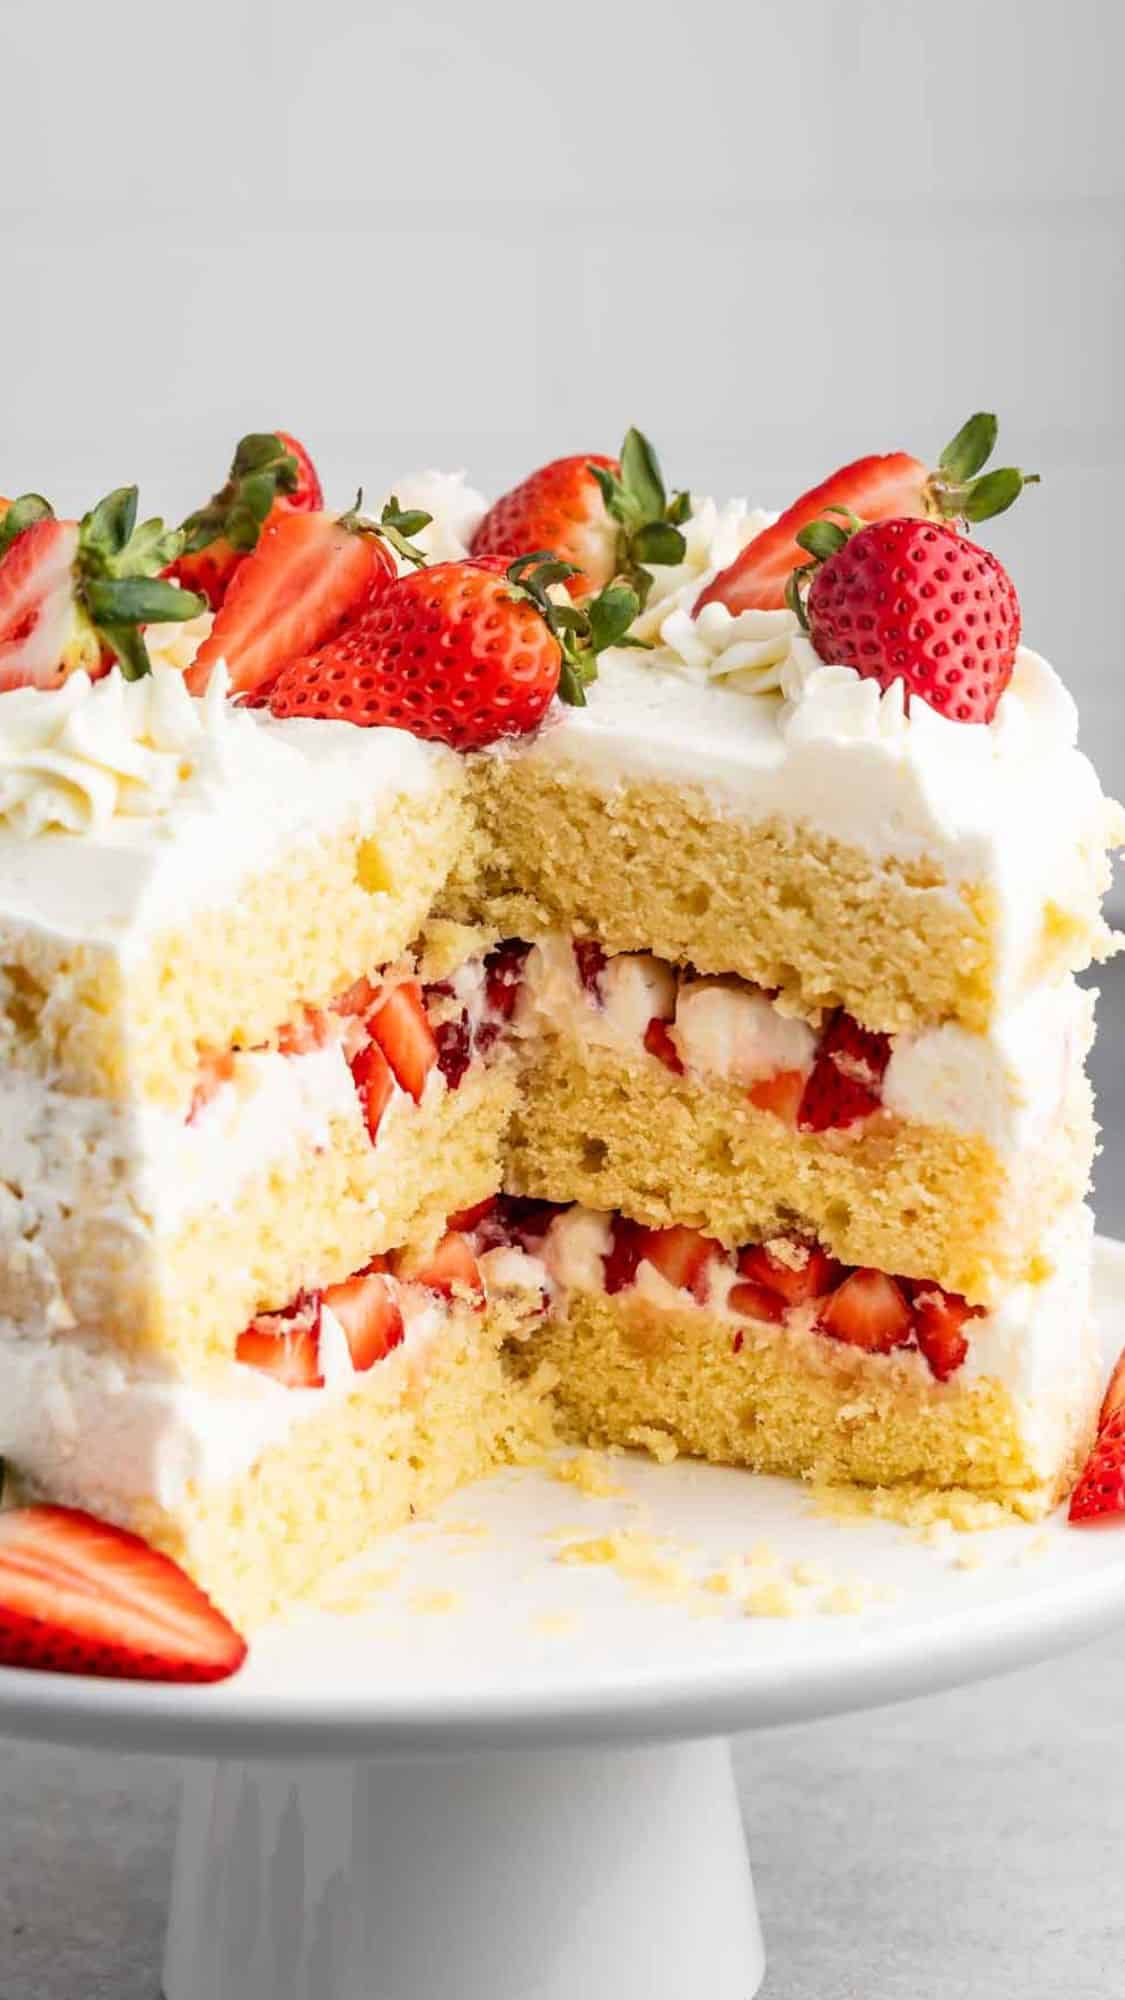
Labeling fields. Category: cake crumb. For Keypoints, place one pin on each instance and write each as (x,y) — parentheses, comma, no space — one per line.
(721,1582)
(762,1556)
(913,1506)
(637,1558)
(659,1445)
(776,1599)
(435,1603)
(587,1472)
(810,1574)
(844,1600)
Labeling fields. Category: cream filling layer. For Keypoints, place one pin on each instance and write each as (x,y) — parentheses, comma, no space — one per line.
(1010,1085)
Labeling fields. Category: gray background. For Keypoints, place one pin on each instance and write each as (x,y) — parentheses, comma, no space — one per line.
(776,235)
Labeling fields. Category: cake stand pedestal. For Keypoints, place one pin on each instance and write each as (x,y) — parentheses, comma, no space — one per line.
(528,1796)
(551,1875)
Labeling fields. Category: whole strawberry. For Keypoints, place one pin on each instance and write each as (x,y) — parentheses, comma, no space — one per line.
(606,517)
(912,601)
(271,474)
(461,653)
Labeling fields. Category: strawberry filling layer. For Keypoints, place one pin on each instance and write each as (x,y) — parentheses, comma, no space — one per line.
(790,1281)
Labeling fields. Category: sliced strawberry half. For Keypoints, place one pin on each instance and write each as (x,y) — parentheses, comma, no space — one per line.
(450,1266)
(466,1219)
(804,1272)
(846,1082)
(375,1086)
(368,1310)
(271,474)
(285,1345)
(780,1094)
(1100,1492)
(868,1310)
(875,488)
(308,577)
(401,1027)
(624,1253)
(939,1319)
(78,1596)
(659,1043)
(681,1255)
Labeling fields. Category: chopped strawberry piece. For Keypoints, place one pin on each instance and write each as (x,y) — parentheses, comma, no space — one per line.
(451,1264)
(756,1302)
(78,1596)
(403,1032)
(503,976)
(659,1043)
(1100,1492)
(846,1083)
(1114,1398)
(375,1086)
(681,1255)
(454,1048)
(214,1071)
(590,959)
(624,1253)
(868,1310)
(309,576)
(368,1310)
(808,1274)
(310,1030)
(356,999)
(466,1219)
(285,1345)
(938,1319)
(780,1093)
(519,1219)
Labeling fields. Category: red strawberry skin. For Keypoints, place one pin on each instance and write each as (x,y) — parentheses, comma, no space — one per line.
(448,653)
(309,576)
(872,487)
(78,1596)
(845,1083)
(401,1027)
(1100,1492)
(869,1310)
(369,1312)
(559,507)
(914,601)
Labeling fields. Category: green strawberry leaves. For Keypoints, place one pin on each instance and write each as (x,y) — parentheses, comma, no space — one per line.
(583,631)
(260,469)
(118,579)
(650,523)
(22,513)
(955,490)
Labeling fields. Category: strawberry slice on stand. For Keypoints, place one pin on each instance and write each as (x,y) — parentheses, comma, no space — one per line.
(76,595)
(876,488)
(462,653)
(310,575)
(607,517)
(1100,1493)
(79,1596)
(271,474)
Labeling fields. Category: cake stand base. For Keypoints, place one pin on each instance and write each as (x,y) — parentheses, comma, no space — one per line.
(602,1874)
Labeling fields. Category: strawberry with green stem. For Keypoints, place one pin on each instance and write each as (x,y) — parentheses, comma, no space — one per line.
(75,595)
(605,517)
(875,488)
(270,473)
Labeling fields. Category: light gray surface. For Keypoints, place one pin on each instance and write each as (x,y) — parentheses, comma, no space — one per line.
(970,1844)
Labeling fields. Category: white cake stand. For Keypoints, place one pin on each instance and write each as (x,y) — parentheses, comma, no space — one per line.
(508,1779)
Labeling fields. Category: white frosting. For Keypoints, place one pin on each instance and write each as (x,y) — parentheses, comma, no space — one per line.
(242,788)
(457,510)
(76,757)
(727,1029)
(92,1428)
(1012,1084)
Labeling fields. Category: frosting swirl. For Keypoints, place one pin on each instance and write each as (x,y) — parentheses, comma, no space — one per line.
(74,758)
